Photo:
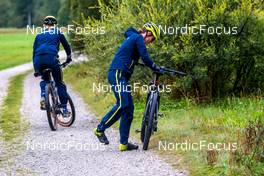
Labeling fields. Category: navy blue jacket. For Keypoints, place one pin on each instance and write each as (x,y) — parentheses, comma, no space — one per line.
(48,42)
(129,53)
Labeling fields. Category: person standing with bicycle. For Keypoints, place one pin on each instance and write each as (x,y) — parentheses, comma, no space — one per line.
(45,53)
(119,74)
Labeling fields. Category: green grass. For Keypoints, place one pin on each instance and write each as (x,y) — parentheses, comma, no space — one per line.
(12,127)
(223,121)
(16,47)
(218,122)
(10,121)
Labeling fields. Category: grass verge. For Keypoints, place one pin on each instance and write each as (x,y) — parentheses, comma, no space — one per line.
(10,121)
(12,127)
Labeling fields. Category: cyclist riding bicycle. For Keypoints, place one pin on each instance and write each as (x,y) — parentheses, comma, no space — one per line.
(45,54)
(119,74)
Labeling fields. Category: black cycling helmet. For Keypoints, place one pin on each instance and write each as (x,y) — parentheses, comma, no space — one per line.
(50,20)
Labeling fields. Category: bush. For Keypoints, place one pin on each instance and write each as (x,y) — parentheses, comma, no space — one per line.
(221,64)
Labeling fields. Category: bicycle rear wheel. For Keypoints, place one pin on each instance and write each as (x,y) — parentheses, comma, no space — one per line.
(149,123)
(66,122)
(50,102)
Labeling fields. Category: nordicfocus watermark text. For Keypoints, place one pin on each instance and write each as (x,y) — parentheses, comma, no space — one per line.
(187,145)
(104,88)
(197,30)
(64,146)
(86,30)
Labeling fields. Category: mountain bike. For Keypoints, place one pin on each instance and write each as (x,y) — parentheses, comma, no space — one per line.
(53,106)
(150,118)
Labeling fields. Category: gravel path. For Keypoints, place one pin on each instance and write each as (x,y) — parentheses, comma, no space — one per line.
(75,150)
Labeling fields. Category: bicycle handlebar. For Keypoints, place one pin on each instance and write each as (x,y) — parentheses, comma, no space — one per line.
(63,65)
(173,72)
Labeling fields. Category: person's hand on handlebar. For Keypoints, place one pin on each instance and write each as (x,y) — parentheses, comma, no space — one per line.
(159,69)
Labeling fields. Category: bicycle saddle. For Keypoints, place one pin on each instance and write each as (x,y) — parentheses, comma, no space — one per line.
(47,70)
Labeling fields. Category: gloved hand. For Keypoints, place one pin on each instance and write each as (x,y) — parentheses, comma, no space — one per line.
(69,59)
(36,74)
(158,69)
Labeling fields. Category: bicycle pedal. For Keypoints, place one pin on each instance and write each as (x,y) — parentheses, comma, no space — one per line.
(137,131)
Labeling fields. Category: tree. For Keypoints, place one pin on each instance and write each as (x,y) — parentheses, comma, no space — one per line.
(43,8)
(21,13)
(64,12)
(5,5)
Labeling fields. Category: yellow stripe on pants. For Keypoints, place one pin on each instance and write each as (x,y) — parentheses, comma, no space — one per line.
(119,95)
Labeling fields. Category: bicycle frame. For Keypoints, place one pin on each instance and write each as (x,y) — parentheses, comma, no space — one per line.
(50,81)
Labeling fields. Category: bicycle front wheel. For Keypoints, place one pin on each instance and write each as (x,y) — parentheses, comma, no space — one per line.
(145,121)
(149,120)
(50,102)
